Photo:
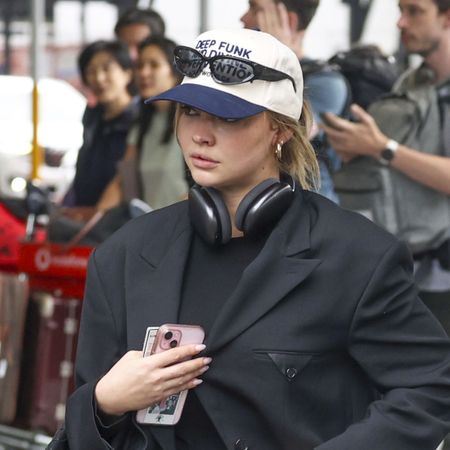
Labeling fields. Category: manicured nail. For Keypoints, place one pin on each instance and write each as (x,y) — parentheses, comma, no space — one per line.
(204,369)
(200,347)
(207,360)
(197,381)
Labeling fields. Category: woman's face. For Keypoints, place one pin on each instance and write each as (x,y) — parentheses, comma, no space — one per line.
(154,72)
(232,156)
(106,78)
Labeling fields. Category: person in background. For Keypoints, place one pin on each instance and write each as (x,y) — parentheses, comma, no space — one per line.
(326,90)
(153,168)
(315,336)
(107,71)
(415,173)
(136,24)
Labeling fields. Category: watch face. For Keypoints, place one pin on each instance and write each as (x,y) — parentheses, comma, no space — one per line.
(387,154)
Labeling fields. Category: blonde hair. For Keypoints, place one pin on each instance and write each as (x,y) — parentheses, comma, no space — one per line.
(298,157)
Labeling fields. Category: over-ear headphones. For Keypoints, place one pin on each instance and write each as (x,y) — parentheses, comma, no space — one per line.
(257,213)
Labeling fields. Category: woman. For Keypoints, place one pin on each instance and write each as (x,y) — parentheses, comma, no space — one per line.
(314,335)
(153,167)
(106,69)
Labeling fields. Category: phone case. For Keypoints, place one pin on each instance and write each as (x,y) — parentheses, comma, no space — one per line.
(168,411)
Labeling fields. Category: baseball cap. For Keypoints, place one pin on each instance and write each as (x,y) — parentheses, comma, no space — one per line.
(237,101)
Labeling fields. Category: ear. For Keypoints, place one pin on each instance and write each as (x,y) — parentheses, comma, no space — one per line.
(446,15)
(285,136)
(281,135)
(294,21)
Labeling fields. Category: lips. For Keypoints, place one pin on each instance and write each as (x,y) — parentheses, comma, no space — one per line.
(203,162)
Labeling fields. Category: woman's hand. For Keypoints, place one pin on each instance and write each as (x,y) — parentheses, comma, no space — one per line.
(135,382)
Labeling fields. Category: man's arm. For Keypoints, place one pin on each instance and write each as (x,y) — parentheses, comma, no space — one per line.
(352,139)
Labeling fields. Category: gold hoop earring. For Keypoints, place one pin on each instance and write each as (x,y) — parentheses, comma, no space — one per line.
(278,151)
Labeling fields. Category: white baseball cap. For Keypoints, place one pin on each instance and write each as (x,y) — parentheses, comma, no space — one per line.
(237,101)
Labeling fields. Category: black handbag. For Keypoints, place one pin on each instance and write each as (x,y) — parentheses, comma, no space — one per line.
(64,228)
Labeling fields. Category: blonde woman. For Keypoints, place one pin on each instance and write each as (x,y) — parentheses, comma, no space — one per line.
(315,337)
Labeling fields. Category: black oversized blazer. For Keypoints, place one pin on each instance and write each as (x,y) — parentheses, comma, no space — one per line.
(323,343)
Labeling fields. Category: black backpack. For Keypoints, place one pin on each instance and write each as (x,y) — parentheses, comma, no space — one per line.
(369,73)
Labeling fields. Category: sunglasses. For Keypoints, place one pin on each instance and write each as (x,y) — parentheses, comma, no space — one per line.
(225,69)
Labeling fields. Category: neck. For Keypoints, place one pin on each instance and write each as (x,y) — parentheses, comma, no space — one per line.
(116,107)
(439,61)
(297,44)
(232,201)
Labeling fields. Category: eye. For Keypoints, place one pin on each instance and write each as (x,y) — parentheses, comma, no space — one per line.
(230,120)
(189,111)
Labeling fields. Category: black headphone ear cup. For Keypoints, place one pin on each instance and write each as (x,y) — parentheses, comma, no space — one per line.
(249,199)
(209,215)
(223,216)
(264,208)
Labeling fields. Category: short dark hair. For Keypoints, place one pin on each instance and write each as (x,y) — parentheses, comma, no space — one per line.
(116,49)
(147,17)
(443,5)
(305,10)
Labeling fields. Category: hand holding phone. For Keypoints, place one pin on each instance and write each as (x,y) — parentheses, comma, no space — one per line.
(168,336)
(326,120)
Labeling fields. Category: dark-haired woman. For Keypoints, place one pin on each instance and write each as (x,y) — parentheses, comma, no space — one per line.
(106,70)
(153,157)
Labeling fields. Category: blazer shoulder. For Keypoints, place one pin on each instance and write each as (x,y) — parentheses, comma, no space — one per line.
(159,225)
(344,226)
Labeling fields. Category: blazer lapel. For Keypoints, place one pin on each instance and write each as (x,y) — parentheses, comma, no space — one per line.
(160,290)
(159,286)
(277,270)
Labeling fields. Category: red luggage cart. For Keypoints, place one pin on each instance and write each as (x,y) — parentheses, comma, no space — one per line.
(14,294)
(56,276)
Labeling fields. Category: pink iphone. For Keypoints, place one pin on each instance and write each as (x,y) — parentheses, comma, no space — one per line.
(168,411)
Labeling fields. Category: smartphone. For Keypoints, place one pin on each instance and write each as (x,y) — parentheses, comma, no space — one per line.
(168,411)
(326,121)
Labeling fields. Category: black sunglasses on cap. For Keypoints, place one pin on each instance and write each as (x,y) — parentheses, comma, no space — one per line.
(224,69)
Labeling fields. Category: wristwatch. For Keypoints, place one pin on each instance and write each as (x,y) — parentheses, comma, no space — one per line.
(388,153)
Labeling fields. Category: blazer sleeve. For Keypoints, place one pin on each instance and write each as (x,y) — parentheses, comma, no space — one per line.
(99,347)
(405,352)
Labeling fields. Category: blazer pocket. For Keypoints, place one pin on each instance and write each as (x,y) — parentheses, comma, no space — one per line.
(290,364)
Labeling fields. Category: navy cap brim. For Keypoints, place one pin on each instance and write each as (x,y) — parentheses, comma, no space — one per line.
(212,101)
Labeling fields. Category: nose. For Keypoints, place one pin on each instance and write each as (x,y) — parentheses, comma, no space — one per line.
(144,71)
(203,138)
(99,76)
(402,22)
(203,130)
(245,19)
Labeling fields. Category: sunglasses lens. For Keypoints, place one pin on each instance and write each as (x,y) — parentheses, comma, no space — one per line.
(230,71)
(188,62)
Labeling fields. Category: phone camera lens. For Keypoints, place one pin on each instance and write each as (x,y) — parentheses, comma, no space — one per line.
(173,343)
(168,336)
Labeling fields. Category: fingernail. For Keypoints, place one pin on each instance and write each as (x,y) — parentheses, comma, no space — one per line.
(197,382)
(204,369)
(207,360)
(200,347)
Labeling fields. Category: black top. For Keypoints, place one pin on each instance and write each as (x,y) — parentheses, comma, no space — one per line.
(104,144)
(211,275)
